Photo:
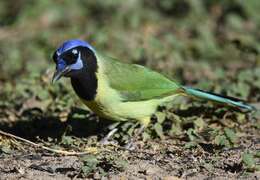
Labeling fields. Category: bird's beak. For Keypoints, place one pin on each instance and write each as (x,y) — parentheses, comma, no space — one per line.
(59,73)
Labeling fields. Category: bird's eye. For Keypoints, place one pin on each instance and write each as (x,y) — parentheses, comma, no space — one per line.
(71,57)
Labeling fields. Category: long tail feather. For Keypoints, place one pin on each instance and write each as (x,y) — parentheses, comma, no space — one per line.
(218,98)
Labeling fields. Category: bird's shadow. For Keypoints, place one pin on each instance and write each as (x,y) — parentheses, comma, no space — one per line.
(34,124)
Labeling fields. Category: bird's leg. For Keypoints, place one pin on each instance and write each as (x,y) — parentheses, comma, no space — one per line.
(130,144)
(112,131)
(105,140)
(144,123)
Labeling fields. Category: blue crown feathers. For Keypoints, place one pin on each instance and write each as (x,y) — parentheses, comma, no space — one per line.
(67,45)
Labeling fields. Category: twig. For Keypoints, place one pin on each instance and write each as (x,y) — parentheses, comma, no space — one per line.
(68,153)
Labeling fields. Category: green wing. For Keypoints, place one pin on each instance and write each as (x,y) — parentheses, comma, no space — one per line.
(135,82)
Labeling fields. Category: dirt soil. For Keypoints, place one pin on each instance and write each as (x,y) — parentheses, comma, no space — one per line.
(155,159)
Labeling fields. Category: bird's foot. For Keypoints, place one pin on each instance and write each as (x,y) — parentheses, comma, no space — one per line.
(106,141)
(130,145)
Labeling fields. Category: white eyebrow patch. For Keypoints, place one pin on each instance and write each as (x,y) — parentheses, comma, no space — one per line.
(78,64)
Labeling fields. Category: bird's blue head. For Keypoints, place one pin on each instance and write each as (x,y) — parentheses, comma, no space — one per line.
(70,58)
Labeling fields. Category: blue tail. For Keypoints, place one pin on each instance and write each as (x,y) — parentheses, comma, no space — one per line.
(218,98)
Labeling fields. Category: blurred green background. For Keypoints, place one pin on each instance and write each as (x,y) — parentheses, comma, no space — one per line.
(213,45)
(167,34)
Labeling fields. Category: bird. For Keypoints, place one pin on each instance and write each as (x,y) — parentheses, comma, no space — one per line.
(122,91)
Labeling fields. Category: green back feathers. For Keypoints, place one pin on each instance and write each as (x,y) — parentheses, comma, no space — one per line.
(135,82)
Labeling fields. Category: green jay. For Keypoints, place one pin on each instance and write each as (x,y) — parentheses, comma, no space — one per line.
(120,91)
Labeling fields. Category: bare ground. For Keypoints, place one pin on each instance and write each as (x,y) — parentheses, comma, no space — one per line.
(155,159)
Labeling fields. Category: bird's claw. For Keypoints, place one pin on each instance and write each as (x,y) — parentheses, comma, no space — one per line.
(130,145)
(105,141)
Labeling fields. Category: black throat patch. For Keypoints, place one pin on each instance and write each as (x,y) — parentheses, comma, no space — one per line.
(85,83)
